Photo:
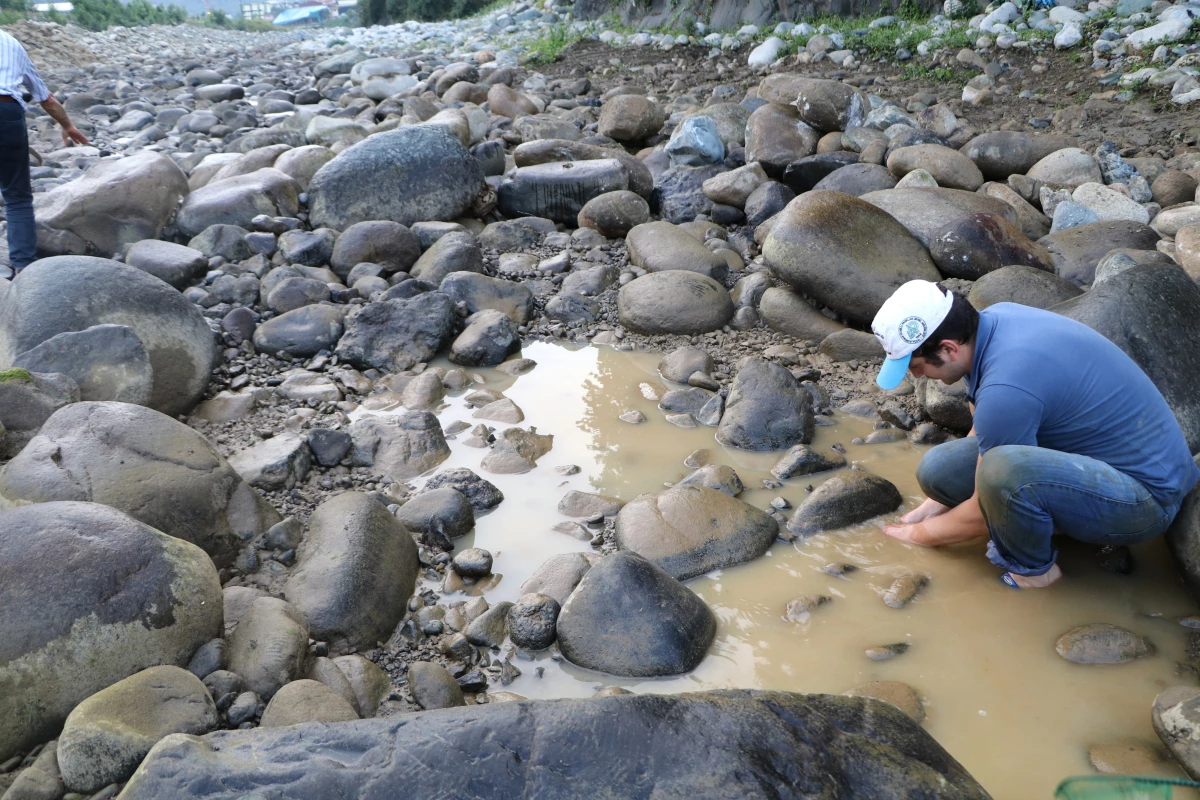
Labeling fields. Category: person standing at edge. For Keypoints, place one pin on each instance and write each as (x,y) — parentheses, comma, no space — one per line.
(16,69)
(1069,436)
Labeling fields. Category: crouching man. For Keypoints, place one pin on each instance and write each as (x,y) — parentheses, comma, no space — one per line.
(1069,436)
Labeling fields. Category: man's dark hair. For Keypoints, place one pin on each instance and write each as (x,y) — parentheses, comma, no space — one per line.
(958,326)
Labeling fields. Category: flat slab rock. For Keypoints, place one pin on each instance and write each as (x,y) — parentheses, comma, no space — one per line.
(748,743)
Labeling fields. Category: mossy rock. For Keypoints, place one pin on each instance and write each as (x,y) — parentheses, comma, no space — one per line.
(15,374)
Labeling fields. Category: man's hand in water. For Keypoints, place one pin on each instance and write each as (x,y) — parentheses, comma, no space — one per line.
(913,534)
(930,508)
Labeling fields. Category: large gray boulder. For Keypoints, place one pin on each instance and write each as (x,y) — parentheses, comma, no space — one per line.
(689,530)
(27,400)
(480,292)
(74,293)
(1152,312)
(303,331)
(725,743)
(88,596)
(358,565)
(456,251)
(389,244)
(1176,718)
(844,252)
(776,136)
(108,734)
(106,362)
(269,647)
(560,191)
(927,211)
(973,246)
(394,335)
(661,246)
(1021,284)
(401,446)
(787,312)
(306,701)
(674,301)
(767,409)
(845,499)
(1076,252)
(1183,538)
(112,204)
(629,617)
(144,463)
(238,200)
(999,154)
(490,336)
(412,174)
(548,151)
(171,263)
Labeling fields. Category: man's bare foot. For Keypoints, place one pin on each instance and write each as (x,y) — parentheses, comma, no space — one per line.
(930,508)
(913,534)
(1054,575)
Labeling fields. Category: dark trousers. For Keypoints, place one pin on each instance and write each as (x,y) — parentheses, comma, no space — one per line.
(14,186)
(1028,493)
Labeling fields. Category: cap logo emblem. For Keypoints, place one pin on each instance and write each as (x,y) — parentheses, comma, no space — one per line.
(912,330)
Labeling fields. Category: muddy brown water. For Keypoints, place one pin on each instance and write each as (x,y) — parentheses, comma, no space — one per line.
(996,694)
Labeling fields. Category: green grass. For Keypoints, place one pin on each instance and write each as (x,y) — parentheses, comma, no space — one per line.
(15,374)
(549,46)
(935,74)
(489,8)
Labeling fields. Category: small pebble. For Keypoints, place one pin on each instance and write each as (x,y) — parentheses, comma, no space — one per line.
(904,589)
(884,652)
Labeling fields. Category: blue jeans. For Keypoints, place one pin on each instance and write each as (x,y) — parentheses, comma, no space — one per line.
(1029,493)
(14,186)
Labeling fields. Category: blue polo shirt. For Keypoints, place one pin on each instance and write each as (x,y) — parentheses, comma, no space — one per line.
(1042,379)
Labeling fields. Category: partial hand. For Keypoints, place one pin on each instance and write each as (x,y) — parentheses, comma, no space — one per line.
(927,510)
(913,534)
(73,134)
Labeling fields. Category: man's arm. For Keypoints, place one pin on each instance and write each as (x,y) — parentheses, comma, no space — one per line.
(69,132)
(962,523)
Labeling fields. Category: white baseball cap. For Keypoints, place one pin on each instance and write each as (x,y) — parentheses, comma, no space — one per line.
(904,322)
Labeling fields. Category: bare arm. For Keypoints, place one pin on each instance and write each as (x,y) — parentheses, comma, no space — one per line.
(69,132)
(935,524)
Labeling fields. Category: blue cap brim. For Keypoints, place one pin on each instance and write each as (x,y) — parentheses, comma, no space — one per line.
(892,373)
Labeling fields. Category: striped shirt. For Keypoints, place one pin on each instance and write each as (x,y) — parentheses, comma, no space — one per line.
(17,69)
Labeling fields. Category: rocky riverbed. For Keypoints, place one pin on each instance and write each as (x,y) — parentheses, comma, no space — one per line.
(256,388)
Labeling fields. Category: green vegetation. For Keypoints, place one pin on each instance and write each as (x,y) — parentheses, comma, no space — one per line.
(15,374)
(219,19)
(935,74)
(376,12)
(550,45)
(96,15)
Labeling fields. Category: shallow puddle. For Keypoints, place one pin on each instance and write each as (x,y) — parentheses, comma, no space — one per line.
(997,696)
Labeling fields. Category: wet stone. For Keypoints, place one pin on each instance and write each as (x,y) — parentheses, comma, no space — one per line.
(634,417)
(1125,758)
(845,499)
(904,589)
(884,652)
(1117,559)
(804,460)
(840,570)
(898,694)
(1101,643)
(473,562)
(800,609)
(1176,718)
(531,621)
